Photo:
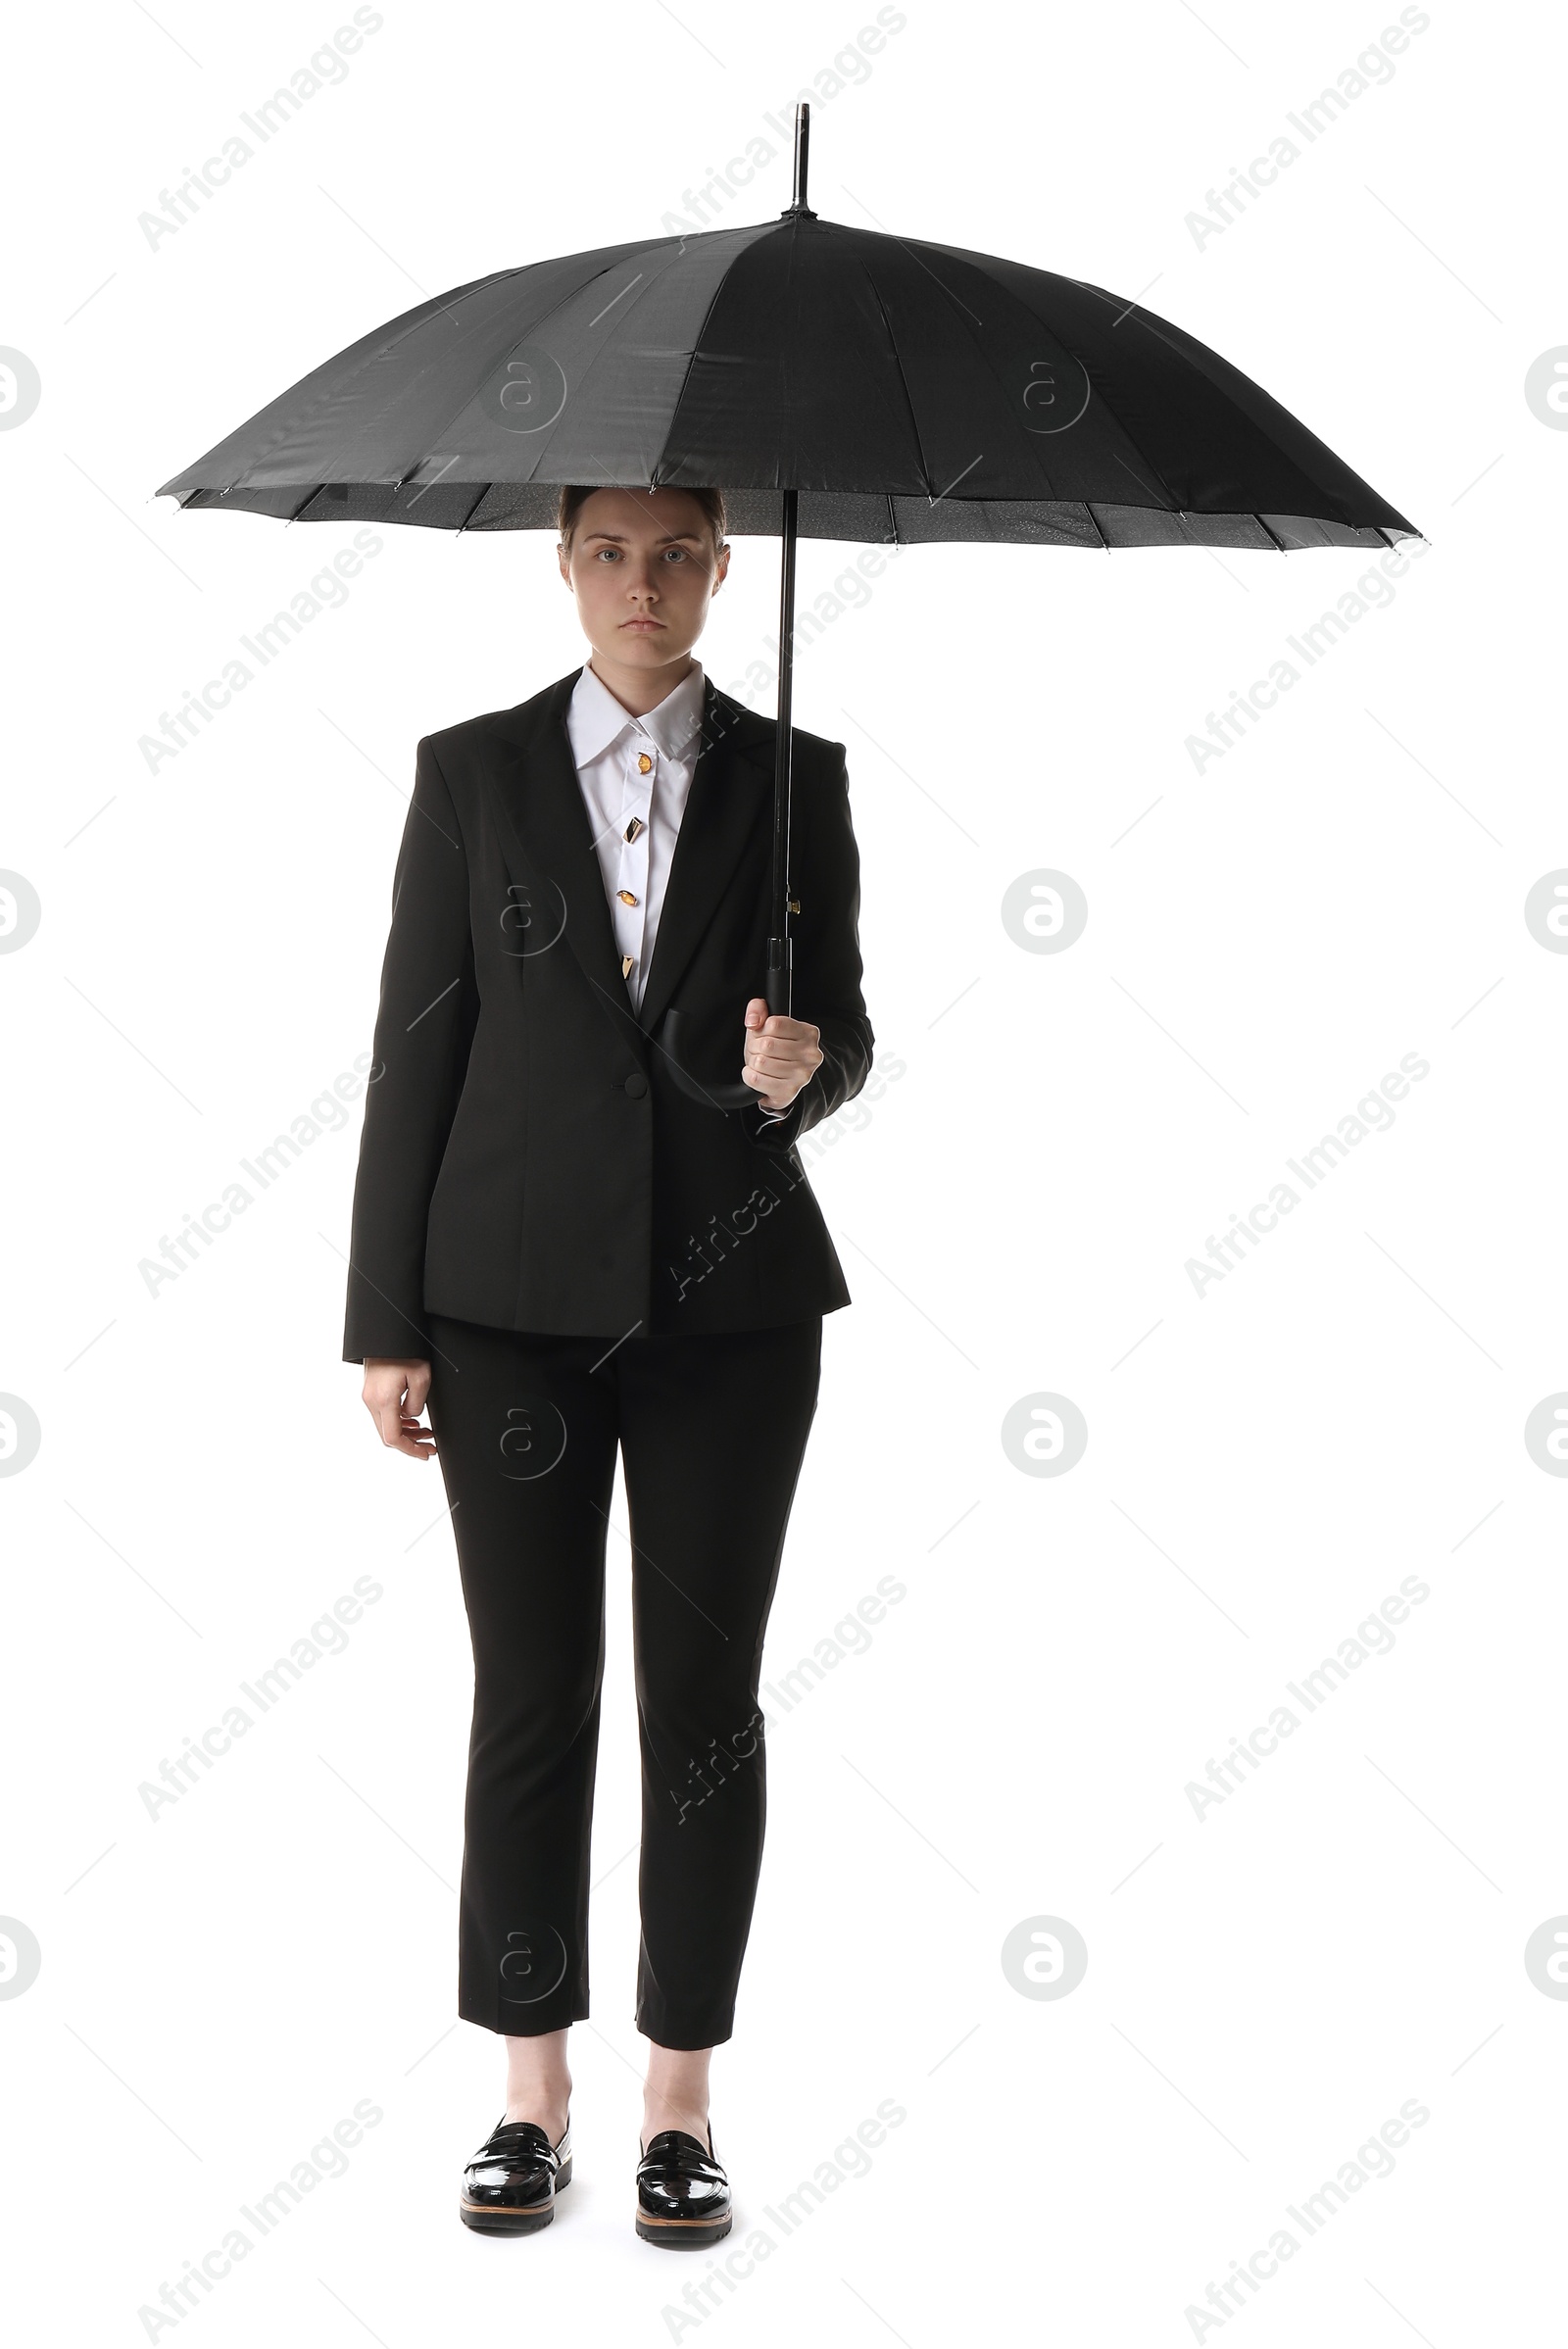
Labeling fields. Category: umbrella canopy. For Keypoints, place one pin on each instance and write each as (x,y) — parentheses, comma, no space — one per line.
(907,391)
(833,383)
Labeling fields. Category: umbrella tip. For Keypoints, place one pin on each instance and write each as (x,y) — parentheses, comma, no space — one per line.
(797,209)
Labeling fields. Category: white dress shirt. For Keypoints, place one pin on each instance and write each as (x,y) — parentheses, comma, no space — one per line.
(635,774)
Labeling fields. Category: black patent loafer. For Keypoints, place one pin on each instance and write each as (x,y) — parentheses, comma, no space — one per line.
(509,2187)
(682,2193)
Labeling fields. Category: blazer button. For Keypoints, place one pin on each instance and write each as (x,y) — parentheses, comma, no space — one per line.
(636,1084)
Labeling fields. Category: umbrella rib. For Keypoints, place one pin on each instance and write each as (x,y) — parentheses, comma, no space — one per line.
(485,487)
(1172,507)
(691,356)
(571,294)
(983,356)
(382,345)
(645,246)
(1162,331)
(914,423)
(1179,512)
(691,362)
(534,324)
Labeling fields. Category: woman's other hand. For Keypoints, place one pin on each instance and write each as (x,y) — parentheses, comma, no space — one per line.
(394,1396)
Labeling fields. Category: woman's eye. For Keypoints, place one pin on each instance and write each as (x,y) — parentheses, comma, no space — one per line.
(613,554)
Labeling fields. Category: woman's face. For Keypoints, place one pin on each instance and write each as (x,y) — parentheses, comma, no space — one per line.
(641,565)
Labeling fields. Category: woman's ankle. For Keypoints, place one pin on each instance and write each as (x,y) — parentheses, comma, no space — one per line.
(664,2112)
(547,2105)
(539,2082)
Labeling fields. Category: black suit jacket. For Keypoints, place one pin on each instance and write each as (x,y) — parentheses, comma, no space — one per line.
(526,1160)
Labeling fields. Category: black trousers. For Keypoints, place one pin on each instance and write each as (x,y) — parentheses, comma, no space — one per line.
(711,1431)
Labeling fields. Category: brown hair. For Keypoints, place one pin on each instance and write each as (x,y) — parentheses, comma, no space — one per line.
(574,497)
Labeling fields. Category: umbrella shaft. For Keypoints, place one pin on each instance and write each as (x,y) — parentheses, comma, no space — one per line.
(779,975)
(778,943)
(803,140)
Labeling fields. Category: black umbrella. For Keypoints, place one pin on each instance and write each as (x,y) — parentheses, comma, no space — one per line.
(834,383)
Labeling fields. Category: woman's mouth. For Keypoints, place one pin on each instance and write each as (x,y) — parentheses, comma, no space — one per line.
(642,624)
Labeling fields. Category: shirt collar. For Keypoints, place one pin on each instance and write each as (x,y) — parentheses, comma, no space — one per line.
(595,719)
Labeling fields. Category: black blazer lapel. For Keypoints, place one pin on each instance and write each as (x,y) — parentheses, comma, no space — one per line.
(728,797)
(545,836)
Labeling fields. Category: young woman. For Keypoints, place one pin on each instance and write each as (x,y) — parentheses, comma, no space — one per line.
(563,1253)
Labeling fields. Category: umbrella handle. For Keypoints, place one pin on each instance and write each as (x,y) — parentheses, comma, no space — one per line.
(723,1092)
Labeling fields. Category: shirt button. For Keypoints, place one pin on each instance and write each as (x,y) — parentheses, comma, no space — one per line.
(637,1084)
(634,827)
(645,765)
(626,897)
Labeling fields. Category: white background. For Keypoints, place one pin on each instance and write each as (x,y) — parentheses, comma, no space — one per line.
(1267,1983)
